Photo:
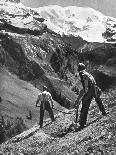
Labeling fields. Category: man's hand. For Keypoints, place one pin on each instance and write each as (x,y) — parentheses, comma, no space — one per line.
(37,103)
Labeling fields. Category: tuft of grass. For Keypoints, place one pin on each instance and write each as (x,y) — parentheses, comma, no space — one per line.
(9,129)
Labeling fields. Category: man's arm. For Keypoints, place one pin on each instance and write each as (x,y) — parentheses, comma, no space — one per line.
(78,102)
(83,91)
(80,96)
(51,100)
(85,84)
(37,100)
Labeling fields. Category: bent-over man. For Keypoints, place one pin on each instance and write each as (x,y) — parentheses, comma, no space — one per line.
(90,90)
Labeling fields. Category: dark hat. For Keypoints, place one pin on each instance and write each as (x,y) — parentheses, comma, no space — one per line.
(81,67)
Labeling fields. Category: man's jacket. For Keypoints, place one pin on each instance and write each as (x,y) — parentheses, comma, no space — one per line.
(89,82)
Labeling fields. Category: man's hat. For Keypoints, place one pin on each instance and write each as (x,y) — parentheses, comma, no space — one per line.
(44,88)
(81,67)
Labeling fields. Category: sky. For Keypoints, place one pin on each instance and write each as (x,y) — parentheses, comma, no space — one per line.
(107,7)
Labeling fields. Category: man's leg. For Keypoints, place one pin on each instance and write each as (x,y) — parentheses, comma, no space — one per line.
(77,103)
(76,115)
(50,111)
(100,105)
(41,115)
(77,108)
(85,107)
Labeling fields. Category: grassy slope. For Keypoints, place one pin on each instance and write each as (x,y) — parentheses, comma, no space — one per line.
(98,137)
(18,98)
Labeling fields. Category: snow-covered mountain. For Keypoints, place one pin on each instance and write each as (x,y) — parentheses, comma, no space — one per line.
(87,23)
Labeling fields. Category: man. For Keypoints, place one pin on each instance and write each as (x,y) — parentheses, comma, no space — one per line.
(45,98)
(90,90)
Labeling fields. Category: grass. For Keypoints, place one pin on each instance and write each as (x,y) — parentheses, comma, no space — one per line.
(98,137)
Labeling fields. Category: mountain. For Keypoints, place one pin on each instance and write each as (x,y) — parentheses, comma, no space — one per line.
(77,21)
(86,30)
(36,49)
(107,7)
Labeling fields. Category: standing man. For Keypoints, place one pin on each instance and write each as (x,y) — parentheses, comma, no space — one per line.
(90,90)
(46,104)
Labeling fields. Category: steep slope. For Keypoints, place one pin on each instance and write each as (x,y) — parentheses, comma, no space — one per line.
(34,56)
(30,57)
(99,137)
(34,63)
(18,98)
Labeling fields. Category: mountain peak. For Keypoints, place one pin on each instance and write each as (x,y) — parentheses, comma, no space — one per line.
(77,21)
(73,20)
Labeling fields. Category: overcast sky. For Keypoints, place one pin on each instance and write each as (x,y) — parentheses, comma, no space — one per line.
(107,7)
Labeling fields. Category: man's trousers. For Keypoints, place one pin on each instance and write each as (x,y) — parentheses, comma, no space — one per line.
(86,100)
(45,106)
